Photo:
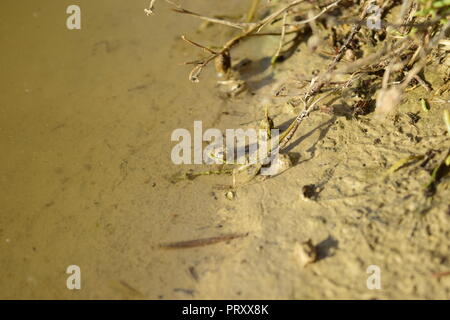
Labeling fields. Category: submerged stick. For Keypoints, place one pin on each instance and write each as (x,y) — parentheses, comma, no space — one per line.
(202,242)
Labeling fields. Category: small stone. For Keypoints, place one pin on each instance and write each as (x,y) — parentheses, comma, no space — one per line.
(230,195)
(310,192)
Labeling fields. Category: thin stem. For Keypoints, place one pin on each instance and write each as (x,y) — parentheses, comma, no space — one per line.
(324,10)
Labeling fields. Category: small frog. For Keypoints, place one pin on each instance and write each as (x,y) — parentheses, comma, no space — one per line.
(248,170)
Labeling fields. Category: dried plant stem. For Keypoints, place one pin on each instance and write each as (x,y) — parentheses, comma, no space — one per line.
(236,25)
(252,11)
(320,82)
(289,132)
(253,28)
(283,35)
(407,51)
(325,78)
(434,42)
(197,45)
(324,10)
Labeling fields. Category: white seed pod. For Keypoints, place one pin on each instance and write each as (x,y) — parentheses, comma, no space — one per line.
(387,100)
(314,42)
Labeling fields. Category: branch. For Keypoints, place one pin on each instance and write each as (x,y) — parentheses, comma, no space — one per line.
(324,10)
(236,25)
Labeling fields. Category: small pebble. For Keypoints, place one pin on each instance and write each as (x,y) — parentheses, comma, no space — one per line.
(310,192)
(230,195)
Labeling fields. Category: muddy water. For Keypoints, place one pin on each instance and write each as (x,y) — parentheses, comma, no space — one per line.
(86,118)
